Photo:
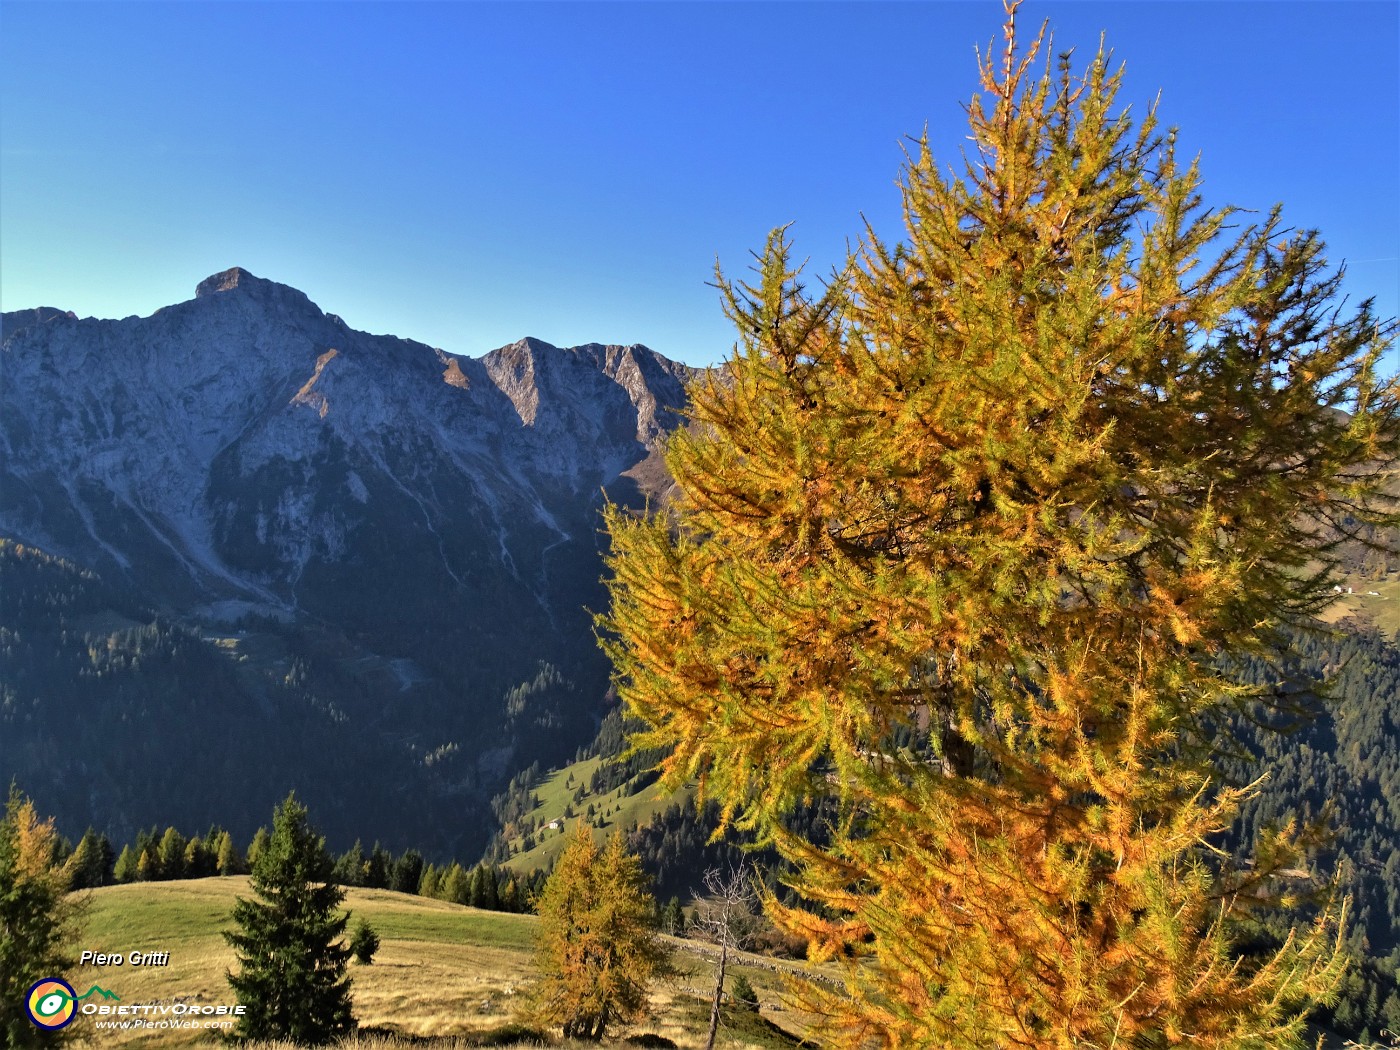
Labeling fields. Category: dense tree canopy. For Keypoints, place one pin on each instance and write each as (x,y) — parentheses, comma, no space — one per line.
(959,545)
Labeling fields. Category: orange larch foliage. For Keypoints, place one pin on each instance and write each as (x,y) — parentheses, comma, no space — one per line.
(961,546)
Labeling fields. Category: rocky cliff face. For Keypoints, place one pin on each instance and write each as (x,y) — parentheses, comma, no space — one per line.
(228,446)
(246,452)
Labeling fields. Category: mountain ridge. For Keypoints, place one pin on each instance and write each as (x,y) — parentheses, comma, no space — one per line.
(237,362)
(424,524)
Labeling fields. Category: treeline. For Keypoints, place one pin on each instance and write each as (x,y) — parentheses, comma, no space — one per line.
(157,856)
(154,856)
(481,886)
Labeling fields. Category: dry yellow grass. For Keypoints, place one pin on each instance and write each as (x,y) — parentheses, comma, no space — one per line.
(443,972)
(448,990)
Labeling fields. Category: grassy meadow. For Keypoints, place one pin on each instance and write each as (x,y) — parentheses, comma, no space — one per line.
(444,974)
(1373,599)
(556,795)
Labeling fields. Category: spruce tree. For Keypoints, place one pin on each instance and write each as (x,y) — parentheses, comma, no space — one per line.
(107,859)
(364,942)
(741,990)
(291,960)
(37,919)
(406,872)
(377,868)
(350,867)
(483,890)
(673,917)
(960,550)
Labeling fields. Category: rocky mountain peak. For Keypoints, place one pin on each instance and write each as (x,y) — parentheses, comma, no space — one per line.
(228,280)
(242,442)
(238,279)
(281,300)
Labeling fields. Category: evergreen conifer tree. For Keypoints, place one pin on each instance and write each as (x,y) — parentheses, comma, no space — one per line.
(673,917)
(406,872)
(960,549)
(483,888)
(292,963)
(350,867)
(741,990)
(37,919)
(377,868)
(364,942)
(107,858)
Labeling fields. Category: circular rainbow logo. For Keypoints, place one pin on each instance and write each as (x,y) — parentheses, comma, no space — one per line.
(51,1003)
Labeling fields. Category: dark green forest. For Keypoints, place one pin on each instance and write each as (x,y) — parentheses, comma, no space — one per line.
(112,711)
(1339,761)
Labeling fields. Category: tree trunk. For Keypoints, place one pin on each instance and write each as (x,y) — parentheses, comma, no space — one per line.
(719,993)
(601,1025)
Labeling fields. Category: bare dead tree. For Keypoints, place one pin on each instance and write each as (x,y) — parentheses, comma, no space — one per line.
(726,915)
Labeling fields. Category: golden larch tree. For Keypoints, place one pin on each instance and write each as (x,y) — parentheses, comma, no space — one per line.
(960,549)
(38,920)
(597,951)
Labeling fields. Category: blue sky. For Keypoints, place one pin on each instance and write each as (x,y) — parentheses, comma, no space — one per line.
(469,173)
